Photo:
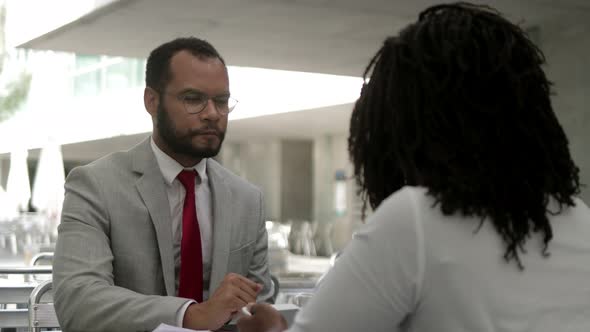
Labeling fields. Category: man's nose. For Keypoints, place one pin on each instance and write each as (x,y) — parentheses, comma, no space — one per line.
(210,112)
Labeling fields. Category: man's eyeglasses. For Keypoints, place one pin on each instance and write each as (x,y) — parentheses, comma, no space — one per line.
(196,102)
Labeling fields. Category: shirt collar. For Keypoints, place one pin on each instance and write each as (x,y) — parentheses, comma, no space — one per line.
(170,167)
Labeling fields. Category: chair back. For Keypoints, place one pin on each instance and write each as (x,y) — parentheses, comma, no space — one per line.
(14,296)
(41,314)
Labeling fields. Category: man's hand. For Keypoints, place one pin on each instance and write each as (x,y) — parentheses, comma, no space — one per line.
(234,292)
(264,319)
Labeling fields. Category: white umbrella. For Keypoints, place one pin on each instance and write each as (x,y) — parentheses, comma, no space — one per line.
(7,208)
(18,186)
(48,188)
(7,214)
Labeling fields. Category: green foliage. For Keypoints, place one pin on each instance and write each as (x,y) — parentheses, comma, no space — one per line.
(15,92)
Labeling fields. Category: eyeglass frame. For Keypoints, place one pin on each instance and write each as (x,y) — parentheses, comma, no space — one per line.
(182,96)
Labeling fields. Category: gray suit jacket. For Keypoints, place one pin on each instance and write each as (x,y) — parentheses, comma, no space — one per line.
(114,264)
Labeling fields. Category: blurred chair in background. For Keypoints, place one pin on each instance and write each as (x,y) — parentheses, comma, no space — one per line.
(301,238)
(41,314)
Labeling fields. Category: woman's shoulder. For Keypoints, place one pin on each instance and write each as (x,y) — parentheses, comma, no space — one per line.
(400,211)
(408,199)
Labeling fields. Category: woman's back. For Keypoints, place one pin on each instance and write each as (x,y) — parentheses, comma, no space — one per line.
(414,268)
(469,286)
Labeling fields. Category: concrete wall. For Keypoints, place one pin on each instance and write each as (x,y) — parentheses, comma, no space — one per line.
(330,155)
(296,179)
(281,168)
(260,163)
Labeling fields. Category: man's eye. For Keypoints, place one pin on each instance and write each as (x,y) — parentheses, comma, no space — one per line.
(221,100)
(194,99)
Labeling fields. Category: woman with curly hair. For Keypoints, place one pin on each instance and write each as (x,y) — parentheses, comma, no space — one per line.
(477,225)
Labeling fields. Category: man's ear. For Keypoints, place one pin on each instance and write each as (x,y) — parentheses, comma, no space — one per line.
(151,98)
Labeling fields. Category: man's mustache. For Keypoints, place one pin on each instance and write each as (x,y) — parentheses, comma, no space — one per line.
(206,131)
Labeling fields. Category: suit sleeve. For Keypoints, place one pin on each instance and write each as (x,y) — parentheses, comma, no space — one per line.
(85,296)
(259,270)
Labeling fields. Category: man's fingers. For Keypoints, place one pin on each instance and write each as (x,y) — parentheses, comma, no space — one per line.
(238,291)
(244,295)
(253,292)
(245,284)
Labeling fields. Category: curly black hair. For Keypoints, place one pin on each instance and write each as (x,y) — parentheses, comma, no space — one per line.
(458,103)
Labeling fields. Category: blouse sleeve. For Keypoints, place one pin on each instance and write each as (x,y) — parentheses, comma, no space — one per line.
(375,284)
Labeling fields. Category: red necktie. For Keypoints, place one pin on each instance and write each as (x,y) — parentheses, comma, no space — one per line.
(191,257)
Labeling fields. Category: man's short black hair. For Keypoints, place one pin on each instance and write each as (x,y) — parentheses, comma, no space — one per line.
(157,72)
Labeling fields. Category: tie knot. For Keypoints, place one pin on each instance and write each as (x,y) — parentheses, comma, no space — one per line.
(187,178)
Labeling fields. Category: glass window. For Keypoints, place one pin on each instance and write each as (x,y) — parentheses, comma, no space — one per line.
(83,61)
(87,84)
(140,72)
(120,75)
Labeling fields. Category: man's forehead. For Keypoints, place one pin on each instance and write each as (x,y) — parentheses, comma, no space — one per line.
(184,60)
(207,74)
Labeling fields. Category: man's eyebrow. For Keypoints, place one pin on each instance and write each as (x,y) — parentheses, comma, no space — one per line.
(193,91)
(199,92)
(224,94)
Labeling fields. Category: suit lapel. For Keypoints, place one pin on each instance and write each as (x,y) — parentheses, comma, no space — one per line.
(222,220)
(152,189)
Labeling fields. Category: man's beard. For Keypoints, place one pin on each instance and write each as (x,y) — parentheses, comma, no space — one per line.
(182,144)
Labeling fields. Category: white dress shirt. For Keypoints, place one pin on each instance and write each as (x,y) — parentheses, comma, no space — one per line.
(175,190)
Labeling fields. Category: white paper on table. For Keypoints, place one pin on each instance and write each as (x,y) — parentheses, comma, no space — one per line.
(168,328)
